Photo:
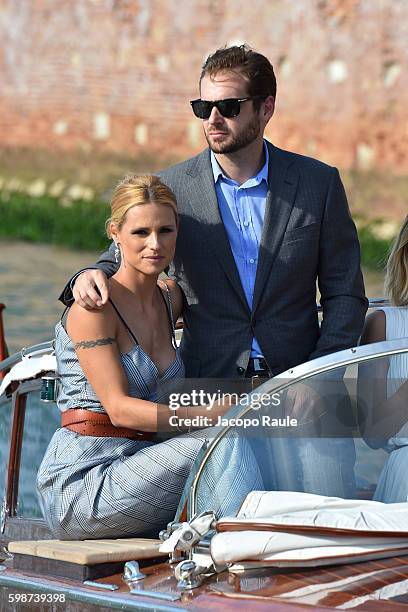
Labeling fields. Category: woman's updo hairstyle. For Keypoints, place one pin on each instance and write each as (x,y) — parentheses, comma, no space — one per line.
(396,276)
(135,190)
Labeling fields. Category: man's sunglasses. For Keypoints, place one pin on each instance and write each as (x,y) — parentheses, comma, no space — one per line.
(228,108)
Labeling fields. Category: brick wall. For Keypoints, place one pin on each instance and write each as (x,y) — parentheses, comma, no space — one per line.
(116,75)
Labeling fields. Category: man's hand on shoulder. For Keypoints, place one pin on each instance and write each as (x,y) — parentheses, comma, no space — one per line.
(91,289)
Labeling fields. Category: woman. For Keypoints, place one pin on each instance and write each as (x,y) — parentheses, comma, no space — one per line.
(104,474)
(383,385)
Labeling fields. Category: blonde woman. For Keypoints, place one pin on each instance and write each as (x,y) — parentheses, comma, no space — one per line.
(385,385)
(104,474)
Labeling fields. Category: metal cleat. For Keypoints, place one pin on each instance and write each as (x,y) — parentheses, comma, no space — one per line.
(188,575)
(132,572)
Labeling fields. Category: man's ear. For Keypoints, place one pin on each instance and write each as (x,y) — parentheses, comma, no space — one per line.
(269,108)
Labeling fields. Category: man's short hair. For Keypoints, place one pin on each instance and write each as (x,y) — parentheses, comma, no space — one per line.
(255,67)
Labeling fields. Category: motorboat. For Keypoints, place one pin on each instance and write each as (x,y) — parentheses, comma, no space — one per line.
(281,547)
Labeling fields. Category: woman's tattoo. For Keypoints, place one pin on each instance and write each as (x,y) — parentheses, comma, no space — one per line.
(91,343)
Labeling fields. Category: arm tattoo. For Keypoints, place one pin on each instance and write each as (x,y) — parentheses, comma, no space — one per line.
(92,343)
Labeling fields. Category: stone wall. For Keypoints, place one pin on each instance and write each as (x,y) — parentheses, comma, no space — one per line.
(116,75)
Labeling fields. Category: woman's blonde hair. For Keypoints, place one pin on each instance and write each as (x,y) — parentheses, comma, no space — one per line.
(135,190)
(396,276)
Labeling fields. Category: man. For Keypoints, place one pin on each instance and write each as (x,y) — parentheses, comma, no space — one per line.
(258,227)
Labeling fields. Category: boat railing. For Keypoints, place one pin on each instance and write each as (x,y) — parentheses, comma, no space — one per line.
(36,350)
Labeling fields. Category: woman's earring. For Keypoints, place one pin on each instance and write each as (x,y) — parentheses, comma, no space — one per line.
(117,252)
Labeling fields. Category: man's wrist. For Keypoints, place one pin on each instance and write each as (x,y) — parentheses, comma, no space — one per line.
(74,278)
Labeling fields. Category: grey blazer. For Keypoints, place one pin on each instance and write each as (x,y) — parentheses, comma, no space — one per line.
(308,236)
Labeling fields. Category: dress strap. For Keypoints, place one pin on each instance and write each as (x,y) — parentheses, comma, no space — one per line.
(169,309)
(124,322)
(64,317)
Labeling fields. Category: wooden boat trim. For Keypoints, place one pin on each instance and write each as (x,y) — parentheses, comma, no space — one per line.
(316,529)
(3,346)
(13,470)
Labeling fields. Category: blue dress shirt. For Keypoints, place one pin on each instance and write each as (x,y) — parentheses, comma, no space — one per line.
(242,209)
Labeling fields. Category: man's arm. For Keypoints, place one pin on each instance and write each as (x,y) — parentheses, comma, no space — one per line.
(106,263)
(339,275)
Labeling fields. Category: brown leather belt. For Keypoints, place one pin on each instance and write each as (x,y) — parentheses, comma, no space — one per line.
(90,423)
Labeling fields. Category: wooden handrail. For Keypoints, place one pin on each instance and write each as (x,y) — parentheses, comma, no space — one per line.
(3,346)
(13,468)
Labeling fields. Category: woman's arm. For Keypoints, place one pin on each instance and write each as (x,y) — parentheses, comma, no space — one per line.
(374,328)
(94,336)
(380,417)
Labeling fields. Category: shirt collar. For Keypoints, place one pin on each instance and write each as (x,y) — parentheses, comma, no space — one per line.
(262,175)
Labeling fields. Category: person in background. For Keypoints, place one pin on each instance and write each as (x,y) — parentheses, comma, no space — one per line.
(384,384)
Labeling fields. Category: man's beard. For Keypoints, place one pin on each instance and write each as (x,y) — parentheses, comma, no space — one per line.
(240,141)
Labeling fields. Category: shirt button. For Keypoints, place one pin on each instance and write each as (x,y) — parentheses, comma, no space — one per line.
(240,370)
(252,261)
(246,223)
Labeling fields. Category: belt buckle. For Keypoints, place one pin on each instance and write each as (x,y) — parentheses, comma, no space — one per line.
(257,364)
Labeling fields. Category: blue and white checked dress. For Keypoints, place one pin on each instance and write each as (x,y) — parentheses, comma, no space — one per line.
(102,487)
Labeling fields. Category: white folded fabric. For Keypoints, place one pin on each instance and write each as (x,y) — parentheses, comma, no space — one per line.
(271,503)
(299,529)
(244,548)
(29,367)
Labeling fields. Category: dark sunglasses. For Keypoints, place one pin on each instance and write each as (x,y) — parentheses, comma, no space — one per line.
(228,108)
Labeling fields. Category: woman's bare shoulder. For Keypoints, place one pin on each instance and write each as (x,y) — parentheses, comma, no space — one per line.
(374,327)
(90,323)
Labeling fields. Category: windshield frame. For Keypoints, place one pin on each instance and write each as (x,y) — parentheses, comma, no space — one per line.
(327,363)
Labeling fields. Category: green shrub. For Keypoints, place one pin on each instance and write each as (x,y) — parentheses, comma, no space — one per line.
(80,224)
(376,237)
(77,224)
(374,251)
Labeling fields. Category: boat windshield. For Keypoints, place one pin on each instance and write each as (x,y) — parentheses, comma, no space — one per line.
(336,426)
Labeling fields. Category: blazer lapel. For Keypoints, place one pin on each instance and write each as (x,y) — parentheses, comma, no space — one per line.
(283,180)
(203,204)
